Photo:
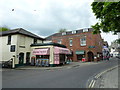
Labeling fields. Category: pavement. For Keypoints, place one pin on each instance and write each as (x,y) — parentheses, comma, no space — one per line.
(108,80)
(70,65)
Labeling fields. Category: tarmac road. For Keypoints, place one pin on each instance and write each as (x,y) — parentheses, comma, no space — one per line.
(71,77)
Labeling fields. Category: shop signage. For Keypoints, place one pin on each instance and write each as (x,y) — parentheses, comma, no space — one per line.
(58,50)
(41,51)
(80,52)
(91,46)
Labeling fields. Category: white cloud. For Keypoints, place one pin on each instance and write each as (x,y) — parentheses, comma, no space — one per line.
(109,37)
(46,17)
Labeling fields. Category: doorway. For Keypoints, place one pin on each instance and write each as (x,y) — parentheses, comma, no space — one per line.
(79,57)
(62,59)
(28,58)
(90,56)
(21,58)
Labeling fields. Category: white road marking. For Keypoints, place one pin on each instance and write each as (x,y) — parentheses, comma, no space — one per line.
(91,84)
(98,75)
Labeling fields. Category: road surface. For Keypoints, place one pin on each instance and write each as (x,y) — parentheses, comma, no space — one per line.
(72,77)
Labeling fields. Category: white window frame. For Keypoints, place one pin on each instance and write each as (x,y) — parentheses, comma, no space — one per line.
(83,41)
(73,32)
(64,33)
(59,41)
(85,30)
(70,42)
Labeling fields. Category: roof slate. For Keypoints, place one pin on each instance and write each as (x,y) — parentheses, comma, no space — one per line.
(20,31)
(47,44)
(67,33)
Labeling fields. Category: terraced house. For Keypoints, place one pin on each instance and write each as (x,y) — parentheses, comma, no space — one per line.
(82,43)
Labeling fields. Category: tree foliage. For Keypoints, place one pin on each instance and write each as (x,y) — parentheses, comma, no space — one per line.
(108,14)
(62,30)
(4,29)
(118,41)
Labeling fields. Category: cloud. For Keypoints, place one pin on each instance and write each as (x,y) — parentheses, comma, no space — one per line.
(45,17)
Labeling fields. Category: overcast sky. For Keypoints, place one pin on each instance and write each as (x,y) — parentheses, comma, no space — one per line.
(45,17)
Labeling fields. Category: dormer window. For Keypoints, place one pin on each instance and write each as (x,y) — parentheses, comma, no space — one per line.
(85,30)
(73,32)
(64,33)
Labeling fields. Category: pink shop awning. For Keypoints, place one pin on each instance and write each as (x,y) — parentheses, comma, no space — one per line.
(41,51)
(59,50)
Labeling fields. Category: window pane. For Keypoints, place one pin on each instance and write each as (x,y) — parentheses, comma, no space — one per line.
(83,41)
(9,39)
(59,41)
(70,42)
(35,40)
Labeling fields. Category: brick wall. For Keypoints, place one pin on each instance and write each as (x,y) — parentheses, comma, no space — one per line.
(91,40)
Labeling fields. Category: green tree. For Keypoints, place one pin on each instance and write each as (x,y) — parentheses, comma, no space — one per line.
(108,14)
(118,41)
(4,29)
(62,30)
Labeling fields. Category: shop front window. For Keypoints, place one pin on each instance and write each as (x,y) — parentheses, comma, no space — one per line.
(42,60)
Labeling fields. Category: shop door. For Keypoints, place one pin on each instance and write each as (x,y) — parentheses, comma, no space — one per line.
(21,58)
(79,57)
(28,58)
(62,58)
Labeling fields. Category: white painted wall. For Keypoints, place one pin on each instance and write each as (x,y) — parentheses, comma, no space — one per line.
(18,40)
(5,48)
(25,41)
(39,41)
(47,41)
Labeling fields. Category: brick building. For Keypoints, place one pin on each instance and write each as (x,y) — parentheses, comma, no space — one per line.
(82,43)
